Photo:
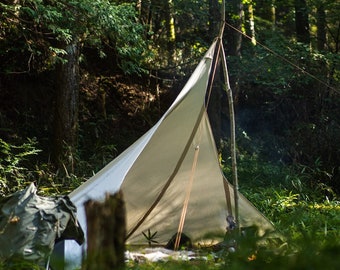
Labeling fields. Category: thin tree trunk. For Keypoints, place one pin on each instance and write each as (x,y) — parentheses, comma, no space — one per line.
(321,28)
(155,19)
(214,18)
(144,11)
(139,7)
(273,15)
(66,109)
(234,40)
(171,33)
(302,21)
(216,96)
(234,37)
(251,23)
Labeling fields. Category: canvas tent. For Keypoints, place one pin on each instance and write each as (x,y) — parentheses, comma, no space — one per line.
(173,166)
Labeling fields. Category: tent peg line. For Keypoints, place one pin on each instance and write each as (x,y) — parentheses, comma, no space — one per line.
(286,60)
(186,201)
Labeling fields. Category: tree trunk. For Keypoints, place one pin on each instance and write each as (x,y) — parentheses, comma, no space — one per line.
(214,18)
(301,21)
(155,19)
(273,15)
(216,96)
(234,37)
(66,108)
(144,11)
(234,41)
(251,23)
(170,27)
(321,28)
(106,233)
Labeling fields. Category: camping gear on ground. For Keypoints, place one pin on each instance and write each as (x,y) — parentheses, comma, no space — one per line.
(185,242)
(31,224)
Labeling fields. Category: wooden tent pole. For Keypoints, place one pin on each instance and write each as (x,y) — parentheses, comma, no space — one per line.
(232,133)
(221,56)
(232,119)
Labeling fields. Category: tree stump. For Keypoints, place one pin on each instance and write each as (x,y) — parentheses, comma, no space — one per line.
(106,232)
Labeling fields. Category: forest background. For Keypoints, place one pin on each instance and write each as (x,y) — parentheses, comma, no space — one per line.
(81,80)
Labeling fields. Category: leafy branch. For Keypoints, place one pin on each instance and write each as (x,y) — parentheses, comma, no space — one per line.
(150,237)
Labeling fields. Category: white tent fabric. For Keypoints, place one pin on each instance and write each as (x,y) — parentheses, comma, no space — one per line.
(154,172)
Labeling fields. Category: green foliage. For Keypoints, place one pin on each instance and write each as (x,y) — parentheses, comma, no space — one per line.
(285,196)
(19,166)
(13,173)
(117,25)
(40,29)
(282,108)
(280,66)
(19,264)
(192,35)
(192,16)
(310,254)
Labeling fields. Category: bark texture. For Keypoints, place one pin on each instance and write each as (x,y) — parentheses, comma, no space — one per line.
(66,108)
(106,233)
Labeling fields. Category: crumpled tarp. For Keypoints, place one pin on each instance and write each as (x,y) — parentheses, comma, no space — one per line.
(30,224)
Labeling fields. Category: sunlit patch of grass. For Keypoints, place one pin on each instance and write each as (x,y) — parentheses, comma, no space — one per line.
(307,217)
